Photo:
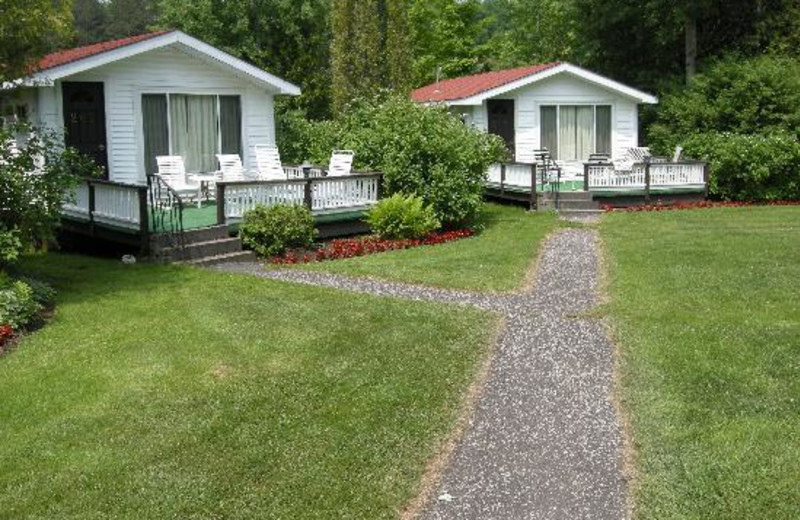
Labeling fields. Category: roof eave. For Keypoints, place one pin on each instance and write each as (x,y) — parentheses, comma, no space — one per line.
(47,77)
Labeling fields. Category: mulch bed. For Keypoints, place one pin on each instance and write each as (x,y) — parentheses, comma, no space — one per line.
(361,246)
(700,205)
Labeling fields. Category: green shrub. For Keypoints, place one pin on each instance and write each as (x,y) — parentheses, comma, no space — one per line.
(402,216)
(10,246)
(749,167)
(423,151)
(18,305)
(755,96)
(43,293)
(272,230)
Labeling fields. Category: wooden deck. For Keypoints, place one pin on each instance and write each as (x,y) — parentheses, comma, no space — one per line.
(644,183)
(130,214)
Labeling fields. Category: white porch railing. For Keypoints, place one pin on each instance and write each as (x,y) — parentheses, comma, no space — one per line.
(515,175)
(321,194)
(117,204)
(603,176)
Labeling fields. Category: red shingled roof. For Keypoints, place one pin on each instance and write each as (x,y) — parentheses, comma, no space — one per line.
(467,86)
(59,58)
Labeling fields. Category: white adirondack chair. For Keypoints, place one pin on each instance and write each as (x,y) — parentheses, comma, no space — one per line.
(678,155)
(341,163)
(230,165)
(172,170)
(268,163)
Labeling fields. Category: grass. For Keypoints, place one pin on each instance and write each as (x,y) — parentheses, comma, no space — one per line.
(495,260)
(169,392)
(707,312)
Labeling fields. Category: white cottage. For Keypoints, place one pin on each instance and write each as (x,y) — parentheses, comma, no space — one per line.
(126,101)
(568,110)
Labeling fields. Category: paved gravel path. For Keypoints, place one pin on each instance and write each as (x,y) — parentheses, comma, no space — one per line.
(544,440)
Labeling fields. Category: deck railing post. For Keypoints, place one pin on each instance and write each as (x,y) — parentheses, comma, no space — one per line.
(706,175)
(220,189)
(585,176)
(91,206)
(308,194)
(379,193)
(534,202)
(502,178)
(647,180)
(144,220)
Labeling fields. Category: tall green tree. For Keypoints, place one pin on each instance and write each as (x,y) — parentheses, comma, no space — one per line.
(91,18)
(289,38)
(130,17)
(30,29)
(370,48)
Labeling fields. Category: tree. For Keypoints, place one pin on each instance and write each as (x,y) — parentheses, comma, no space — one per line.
(286,37)
(130,17)
(28,30)
(90,18)
(370,48)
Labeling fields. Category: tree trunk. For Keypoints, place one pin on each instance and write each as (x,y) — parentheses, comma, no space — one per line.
(690,26)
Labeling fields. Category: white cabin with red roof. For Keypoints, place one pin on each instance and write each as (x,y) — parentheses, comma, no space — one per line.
(570,111)
(126,101)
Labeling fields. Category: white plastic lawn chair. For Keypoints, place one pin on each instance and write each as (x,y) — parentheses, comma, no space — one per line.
(172,170)
(230,166)
(268,163)
(341,163)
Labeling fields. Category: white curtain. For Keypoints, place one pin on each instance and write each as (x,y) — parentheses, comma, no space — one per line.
(567,135)
(195,131)
(603,132)
(584,132)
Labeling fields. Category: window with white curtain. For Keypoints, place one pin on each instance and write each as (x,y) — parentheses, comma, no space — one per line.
(193,126)
(573,132)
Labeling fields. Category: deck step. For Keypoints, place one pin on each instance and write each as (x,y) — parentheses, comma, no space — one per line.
(240,256)
(580,212)
(199,250)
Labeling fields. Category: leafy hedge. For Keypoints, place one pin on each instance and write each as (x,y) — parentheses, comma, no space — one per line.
(743,116)
(402,217)
(422,151)
(749,167)
(272,230)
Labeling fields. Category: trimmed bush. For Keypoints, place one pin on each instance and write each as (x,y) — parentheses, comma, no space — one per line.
(402,217)
(18,305)
(749,167)
(423,151)
(272,230)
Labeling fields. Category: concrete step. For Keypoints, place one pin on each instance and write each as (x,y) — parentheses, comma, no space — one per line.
(206,234)
(577,204)
(240,256)
(568,195)
(199,250)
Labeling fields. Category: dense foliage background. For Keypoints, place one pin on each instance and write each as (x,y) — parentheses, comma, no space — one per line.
(720,66)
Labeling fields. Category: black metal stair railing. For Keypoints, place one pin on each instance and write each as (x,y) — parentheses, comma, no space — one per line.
(166,212)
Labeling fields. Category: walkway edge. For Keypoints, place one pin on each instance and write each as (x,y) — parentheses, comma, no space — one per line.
(443,453)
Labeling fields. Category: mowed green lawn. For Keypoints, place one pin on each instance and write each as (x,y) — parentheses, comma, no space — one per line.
(707,312)
(496,260)
(168,392)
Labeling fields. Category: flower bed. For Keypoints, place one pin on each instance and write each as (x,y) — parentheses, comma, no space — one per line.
(700,205)
(6,335)
(352,247)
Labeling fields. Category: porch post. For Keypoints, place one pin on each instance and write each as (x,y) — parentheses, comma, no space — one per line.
(585,176)
(308,194)
(706,175)
(91,206)
(502,179)
(220,189)
(647,180)
(534,202)
(144,220)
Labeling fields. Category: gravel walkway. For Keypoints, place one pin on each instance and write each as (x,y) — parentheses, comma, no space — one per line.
(544,440)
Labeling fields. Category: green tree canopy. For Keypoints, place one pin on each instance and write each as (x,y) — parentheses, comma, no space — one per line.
(289,38)
(28,30)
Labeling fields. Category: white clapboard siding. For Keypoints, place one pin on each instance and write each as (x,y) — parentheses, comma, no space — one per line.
(167,70)
(561,90)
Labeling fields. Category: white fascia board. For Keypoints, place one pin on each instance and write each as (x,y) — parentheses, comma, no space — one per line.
(157,42)
(591,77)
